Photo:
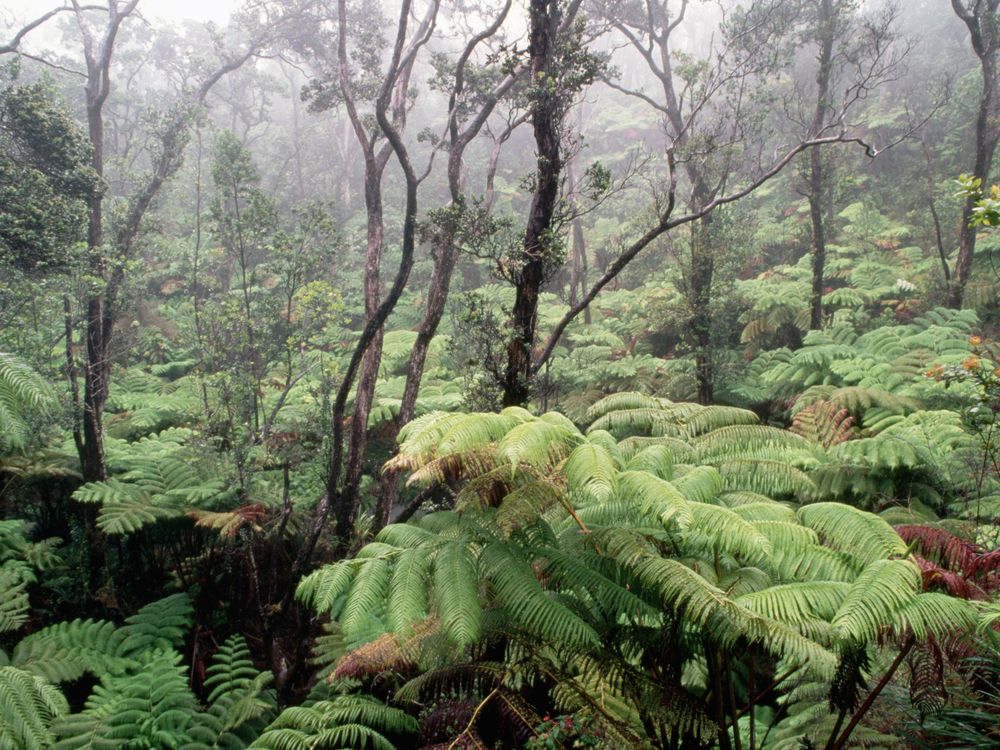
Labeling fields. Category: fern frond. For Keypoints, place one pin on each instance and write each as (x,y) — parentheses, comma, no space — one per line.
(863,535)
(527,604)
(28,707)
(163,624)
(882,589)
(456,593)
(591,471)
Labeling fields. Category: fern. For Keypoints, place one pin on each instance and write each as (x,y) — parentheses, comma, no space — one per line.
(347,722)
(22,390)
(241,703)
(157,480)
(28,707)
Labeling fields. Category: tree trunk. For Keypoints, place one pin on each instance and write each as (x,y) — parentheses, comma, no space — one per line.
(817,176)
(700,322)
(545,120)
(984,34)
(446,253)
(364,396)
(97,368)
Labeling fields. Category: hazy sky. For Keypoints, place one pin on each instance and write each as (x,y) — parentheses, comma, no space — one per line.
(199,10)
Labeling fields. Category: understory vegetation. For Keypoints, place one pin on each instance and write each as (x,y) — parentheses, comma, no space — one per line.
(479,376)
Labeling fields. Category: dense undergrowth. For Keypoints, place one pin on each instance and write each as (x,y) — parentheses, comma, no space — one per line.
(494,451)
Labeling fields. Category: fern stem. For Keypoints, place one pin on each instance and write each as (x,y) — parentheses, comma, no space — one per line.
(751,706)
(836,728)
(867,704)
(583,527)
(472,719)
(718,699)
(727,666)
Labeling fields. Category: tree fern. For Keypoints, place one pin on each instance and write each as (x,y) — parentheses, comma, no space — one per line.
(347,722)
(21,390)
(157,479)
(28,707)
(240,701)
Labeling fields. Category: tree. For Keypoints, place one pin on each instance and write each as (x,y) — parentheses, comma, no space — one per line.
(469,109)
(828,17)
(846,44)
(714,119)
(615,559)
(981,20)
(558,67)
(347,85)
(45,179)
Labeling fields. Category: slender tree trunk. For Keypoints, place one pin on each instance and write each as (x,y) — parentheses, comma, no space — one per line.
(545,120)
(97,369)
(700,322)
(446,253)
(365,392)
(935,218)
(343,497)
(984,34)
(71,375)
(817,174)
(816,190)
(444,248)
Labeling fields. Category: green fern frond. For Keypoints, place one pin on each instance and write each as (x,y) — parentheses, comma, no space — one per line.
(621,402)
(456,593)
(408,590)
(21,390)
(765,477)
(591,471)
(699,484)
(797,603)
(28,707)
(348,722)
(64,651)
(727,532)
(863,535)
(163,624)
(875,598)
(516,587)
(655,497)
(538,443)
(934,614)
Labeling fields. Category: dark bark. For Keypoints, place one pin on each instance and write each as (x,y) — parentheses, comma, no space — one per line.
(984,33)
(700,277)
(935,218)
(667,221)
(444,249)
(546,110)
(341,498)
(578,245)
(817,196)
(109,267)
(348,496)
(98,323)
(72,374)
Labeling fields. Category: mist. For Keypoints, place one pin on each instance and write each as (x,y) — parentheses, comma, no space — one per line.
(499,373)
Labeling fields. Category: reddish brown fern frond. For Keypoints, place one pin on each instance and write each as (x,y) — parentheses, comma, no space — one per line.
(823,422)
(943,547)
(927,686)
(387,653)
(985,567)
(936,577)
(519,718)
(441,722)
(467,740)
(228,523)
